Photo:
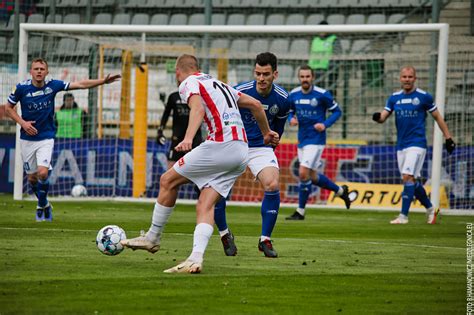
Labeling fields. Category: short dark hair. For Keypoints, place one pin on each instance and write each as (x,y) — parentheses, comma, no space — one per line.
(66,95)
(306,67)
(266,58)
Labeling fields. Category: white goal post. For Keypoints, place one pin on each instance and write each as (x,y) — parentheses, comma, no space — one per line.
(289,30)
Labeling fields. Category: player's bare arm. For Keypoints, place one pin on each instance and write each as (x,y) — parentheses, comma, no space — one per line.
(87,84)
(269,136)
(442,124)
(450,145)
(381,117)
(196,115)
(26,125)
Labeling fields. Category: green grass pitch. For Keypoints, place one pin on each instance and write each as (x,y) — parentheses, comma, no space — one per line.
(349,262)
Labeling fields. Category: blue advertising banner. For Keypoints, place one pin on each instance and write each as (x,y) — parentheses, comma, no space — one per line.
(105,167)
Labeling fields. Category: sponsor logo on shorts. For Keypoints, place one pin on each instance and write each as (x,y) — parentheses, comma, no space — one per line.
(181,162)
(26,166)
(273,161)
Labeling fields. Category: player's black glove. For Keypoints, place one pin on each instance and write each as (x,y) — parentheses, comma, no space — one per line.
(450,145)
(376,117)
(160,138)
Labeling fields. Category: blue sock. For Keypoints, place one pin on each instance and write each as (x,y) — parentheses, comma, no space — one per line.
(420,194)
(326,183)
(34,188)
(305,189)
(219,214)
(269,211)
(43,187)
(407,197)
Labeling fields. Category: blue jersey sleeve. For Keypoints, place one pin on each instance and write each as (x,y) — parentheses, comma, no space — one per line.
(333,107)
(15,95)
(292,110)
(389,105)
(429,104)
(280,119)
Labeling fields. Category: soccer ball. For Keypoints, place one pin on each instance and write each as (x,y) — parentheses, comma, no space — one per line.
(108,240)
(78,191)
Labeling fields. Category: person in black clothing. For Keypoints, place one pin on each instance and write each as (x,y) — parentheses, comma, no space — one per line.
(180,123)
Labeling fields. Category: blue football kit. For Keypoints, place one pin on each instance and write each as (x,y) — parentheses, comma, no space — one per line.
(410,117)
(37,104)
(310,108)
(276,108)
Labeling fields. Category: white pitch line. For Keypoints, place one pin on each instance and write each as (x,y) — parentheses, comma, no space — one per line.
(281,238)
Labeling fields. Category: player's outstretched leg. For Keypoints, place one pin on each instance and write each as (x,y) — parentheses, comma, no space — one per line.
(304,191)
(269,211)
(227,238)
(342,191)
(150,241)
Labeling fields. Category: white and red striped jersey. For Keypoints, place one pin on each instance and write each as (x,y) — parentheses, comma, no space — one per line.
(219,100)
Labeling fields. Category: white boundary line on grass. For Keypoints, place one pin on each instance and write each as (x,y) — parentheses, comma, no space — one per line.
(281,238)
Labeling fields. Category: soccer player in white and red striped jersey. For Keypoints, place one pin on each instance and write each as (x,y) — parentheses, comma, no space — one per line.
(213,166)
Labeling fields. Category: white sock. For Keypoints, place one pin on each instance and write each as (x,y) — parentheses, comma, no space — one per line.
(340,191)
(402,216)
(222,233)
(158,222)
(202,234)
(262,238)
(300,211)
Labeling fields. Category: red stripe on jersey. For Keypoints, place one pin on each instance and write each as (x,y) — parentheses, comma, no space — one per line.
(245,135)
(219,134)
(209,125)
(235,135)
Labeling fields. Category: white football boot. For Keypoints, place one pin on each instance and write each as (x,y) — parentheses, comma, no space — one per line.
(433,215)
(187,266)
(401,219)
(141,243)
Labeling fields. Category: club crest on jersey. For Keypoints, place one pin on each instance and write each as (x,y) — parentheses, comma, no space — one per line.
(181,162)
(48,90)
(273,109)
(416,101)
(314,102)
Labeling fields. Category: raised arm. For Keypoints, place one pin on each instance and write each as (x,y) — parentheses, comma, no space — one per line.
(87,84)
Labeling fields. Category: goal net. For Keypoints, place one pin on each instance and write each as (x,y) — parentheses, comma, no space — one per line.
(114,152)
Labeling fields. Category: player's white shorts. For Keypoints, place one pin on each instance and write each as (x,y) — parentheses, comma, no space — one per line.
(214,164)
(260,158)
(309,156)
(410,161)
(36,153)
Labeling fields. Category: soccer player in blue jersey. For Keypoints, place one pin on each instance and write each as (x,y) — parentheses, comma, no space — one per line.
(262,159)
(38,128)
(309,104)
(410,105)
